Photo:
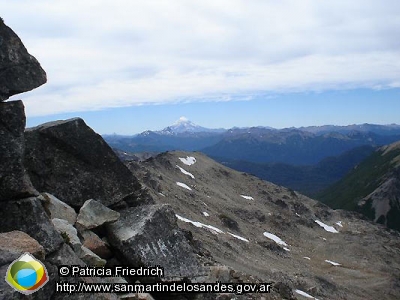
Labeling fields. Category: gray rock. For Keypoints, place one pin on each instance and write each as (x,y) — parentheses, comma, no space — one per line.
(94,214)
(28,215)
(20,71)
(69,233)
(14,181)
(91,258)
(58,209)
(148,235)
(72,162)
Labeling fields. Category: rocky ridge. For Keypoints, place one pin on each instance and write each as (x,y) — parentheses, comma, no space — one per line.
(19,71)
(272,234)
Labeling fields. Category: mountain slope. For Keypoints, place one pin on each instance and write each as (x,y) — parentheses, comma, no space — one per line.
(372,188)
(290,146)
(307,179)
(267,233)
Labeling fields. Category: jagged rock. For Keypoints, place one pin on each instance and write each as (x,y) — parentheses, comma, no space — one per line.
(15,243)
(94,214)
(57,209)
(93,242)
(28,215)
(19,71)
(91,258)
(72,162)
(14,181)
(68,232)
(148,235)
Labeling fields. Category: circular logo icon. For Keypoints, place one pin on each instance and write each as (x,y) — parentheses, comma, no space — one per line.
(27,274)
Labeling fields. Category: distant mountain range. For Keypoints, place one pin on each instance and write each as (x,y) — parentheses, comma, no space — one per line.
(299,146)
(306,159)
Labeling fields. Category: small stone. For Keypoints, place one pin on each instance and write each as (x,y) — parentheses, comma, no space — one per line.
(68,232)
(91,258)
(58,209)
(94,214)
(94,243)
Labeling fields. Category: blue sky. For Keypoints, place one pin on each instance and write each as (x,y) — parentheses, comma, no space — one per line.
(278,111)
(127,66)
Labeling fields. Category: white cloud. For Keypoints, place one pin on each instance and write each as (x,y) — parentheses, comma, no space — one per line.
(102,53)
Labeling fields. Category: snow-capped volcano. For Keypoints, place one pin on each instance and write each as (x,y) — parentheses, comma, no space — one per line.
(183,124)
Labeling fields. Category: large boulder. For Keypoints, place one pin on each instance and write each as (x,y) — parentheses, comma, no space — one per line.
(19,71)
(148,235)
(72,162)
(14,181)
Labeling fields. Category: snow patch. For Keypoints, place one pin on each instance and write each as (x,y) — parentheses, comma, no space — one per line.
(185,172)
(306,257)
(339,223)
(183,185)
(332,262)
(239,237)
(161,194)
(286,249)
(304,294)
(189,160)
(275,238)
(326,227)
(247,197)
(206,214)
(213,229)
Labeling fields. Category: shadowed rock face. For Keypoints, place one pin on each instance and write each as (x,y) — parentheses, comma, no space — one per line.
(29,216)
(14,182)
(148,235)
(72,162)
(19,71)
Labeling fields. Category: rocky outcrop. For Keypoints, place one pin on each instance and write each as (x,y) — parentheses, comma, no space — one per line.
(14,181)
(19,71)
(148,235)
(25,224)
(69,160)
